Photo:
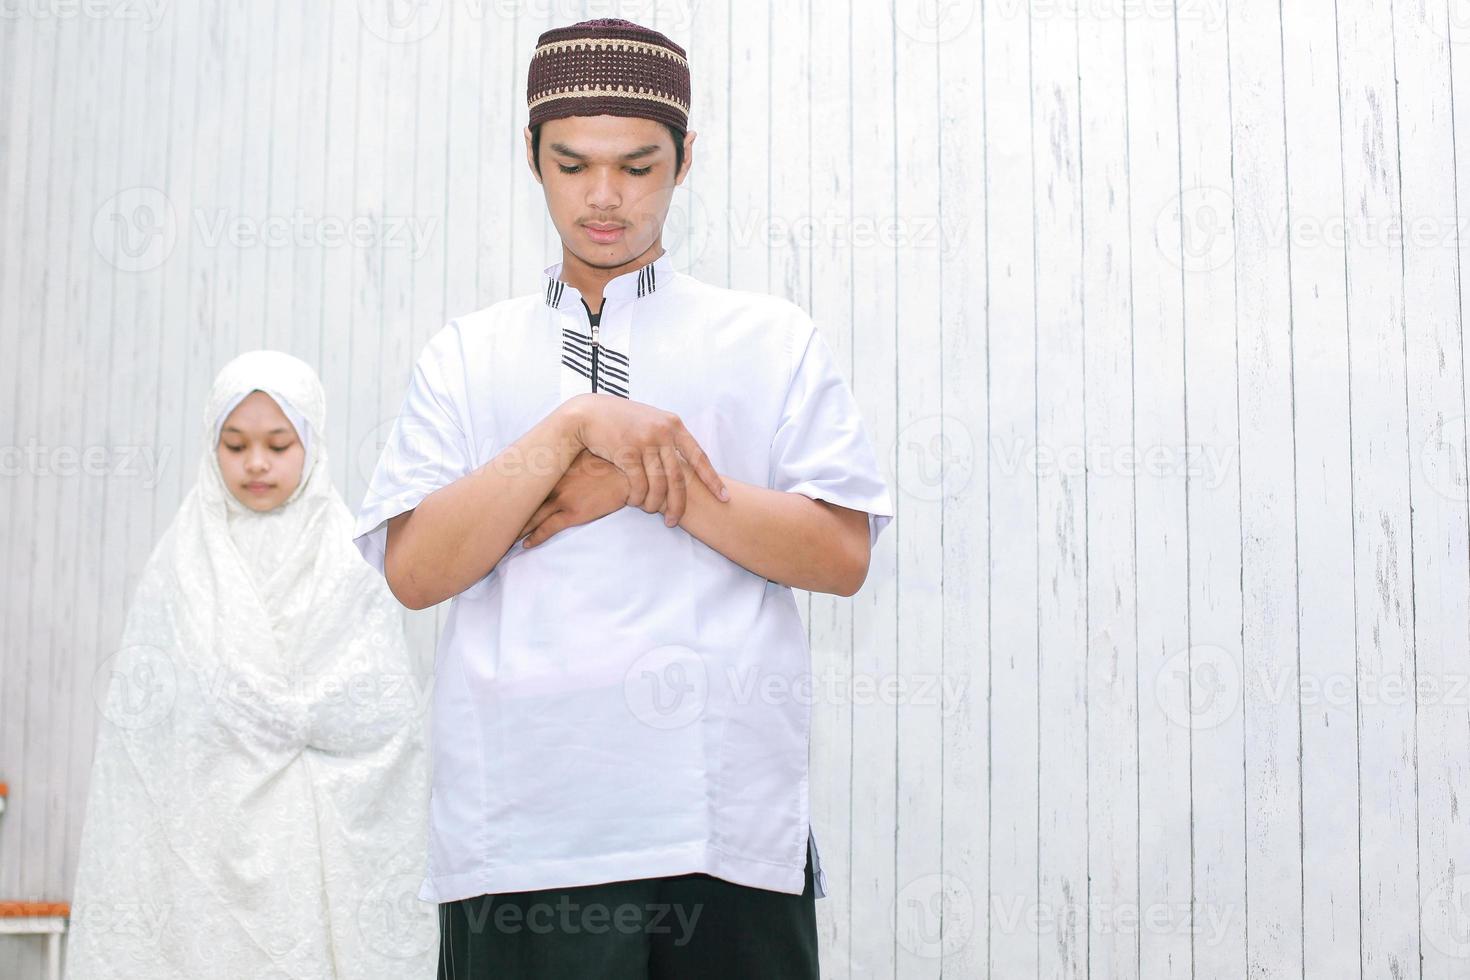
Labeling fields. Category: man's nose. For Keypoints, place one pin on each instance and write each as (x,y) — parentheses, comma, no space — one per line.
(604,194)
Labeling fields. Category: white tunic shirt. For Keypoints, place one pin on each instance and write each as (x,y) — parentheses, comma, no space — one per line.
(622,701)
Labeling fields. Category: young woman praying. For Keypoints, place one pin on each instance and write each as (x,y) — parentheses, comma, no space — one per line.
(258,794)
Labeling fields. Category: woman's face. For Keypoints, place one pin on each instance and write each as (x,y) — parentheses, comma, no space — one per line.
(259,453)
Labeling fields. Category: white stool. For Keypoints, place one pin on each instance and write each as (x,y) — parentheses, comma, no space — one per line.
(38,918)
(35,918)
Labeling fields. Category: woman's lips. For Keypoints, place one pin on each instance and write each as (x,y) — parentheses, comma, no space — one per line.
(257,487)
(604,236)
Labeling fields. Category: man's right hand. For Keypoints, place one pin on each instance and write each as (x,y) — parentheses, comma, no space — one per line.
(645,443)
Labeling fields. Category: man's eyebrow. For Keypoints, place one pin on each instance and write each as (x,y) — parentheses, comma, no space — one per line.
(566,151)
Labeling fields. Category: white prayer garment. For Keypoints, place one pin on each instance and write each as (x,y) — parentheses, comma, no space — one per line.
(259,791)
(622,701)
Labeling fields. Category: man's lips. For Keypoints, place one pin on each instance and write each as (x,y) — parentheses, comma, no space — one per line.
(604,234)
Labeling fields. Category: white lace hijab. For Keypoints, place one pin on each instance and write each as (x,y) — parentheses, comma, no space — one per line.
(258,801)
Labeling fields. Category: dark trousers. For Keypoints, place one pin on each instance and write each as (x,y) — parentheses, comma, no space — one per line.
(681,926)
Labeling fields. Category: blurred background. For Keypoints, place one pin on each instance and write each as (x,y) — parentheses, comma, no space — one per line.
(1155,313)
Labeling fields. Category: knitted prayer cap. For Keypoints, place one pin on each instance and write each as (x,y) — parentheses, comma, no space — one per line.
(608,67)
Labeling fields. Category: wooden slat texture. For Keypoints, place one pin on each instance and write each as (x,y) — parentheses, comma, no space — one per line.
(1155,313)
(1002,442)
(1160,590)
(1211,661)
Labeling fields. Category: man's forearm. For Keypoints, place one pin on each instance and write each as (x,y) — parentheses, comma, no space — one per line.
(785,537)
(460,531)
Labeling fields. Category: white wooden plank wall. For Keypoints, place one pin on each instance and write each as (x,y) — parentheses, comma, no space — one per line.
(1155,312)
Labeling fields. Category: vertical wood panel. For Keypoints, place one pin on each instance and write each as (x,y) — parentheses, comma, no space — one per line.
(1028,233)
(1004,446)
(468,75)
(788,249)
(24,71)
(207,35)
(75,539)
(1435,405)
(749,150)
(1382,535)
(502,158)
(1156,255)
(872,862)
(51,570)
(410,136)
(226,196)
(260,78)
(829,617)
(1331,924)
(954,470)
(22,625)
(701,211)
(1111,624)
(309,176)
(1062,866)
(530,227)
(1211,669)
(1269,638)
(919,505)
(345,37)
(16,100)
(279,328)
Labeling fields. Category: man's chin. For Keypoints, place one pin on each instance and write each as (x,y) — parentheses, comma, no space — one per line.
(609,257)
(606,261)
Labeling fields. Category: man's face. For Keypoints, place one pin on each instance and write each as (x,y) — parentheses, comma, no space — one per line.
(608,182)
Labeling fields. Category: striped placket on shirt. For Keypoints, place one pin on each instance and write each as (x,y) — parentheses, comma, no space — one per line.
(605,369)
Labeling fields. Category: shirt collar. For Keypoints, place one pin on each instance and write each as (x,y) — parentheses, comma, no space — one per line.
(640,282)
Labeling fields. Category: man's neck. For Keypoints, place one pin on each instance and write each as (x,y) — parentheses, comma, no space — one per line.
(591,280)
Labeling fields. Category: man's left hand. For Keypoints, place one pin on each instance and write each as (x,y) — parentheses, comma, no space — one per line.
(591,488)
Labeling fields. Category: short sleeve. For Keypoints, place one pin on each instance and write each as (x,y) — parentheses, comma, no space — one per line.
(426,447)
(821,448)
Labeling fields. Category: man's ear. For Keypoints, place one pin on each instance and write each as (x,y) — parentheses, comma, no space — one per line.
(530,159)
(688,157)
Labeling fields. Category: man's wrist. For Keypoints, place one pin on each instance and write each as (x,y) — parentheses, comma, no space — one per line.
(693,493)
(568,416)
